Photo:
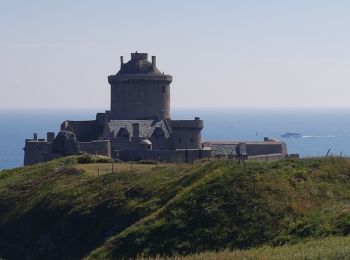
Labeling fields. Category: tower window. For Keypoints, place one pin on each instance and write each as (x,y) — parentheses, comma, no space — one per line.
(179,140)
(192,140)
(163,89)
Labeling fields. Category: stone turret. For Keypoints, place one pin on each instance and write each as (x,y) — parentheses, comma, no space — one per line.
(139,90)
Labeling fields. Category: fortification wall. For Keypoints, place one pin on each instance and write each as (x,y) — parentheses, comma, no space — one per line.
(186,134)
(85,131)
(124,143)
(161,143)
(140,99)
(102,147)
(38,151)
(263,148)
(196,123)
(224,148)
(101,119)
(186,138)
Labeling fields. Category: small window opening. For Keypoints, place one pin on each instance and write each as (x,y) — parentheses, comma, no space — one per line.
(163,89)
(179,140)
(192,140)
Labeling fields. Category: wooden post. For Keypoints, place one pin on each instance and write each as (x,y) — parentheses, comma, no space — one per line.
(254,183)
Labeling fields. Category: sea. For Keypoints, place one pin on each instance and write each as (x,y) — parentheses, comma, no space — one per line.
(322,130)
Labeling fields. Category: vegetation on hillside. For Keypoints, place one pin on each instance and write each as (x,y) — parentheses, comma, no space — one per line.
(60,210)
(336,248)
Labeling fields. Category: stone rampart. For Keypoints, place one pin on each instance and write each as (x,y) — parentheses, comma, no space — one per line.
(197,123)
(84,130)
(101,147)
(36,151)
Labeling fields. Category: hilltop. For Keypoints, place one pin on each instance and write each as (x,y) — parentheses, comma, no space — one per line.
(62,209)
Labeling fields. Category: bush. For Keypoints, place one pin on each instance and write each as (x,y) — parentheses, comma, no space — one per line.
(90,158)
(103,159)
(147,162)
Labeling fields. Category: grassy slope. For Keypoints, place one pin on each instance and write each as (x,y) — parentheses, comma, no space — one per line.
(57,210)
(336,248)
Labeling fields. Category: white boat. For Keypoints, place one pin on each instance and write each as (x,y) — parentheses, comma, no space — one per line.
(290,134)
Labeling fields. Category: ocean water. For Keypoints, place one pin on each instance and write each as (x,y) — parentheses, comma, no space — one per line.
(321,129)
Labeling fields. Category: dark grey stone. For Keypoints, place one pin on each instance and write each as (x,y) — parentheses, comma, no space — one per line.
(65,143)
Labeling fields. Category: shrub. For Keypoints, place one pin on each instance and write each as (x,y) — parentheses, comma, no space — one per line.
(103,159)
(147,162)
(90,158)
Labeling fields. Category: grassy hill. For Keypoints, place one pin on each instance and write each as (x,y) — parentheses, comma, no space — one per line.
(324,248)
(62,209)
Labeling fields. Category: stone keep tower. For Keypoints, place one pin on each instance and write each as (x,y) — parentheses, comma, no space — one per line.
(139,90)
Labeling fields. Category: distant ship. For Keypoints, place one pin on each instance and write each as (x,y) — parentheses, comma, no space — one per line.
(290,134)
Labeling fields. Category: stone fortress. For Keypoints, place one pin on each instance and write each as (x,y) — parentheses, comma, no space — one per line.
(138,126)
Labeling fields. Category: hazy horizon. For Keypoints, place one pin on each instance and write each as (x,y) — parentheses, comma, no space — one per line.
(227,54)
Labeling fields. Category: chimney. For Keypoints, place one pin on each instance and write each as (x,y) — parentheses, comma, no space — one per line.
(35,136)
(136,130)
(50,136)
(121,61)
(154,61)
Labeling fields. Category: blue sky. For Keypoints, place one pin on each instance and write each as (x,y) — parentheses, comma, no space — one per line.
(58,54)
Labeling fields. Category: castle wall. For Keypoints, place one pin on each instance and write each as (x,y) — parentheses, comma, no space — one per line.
(101,119)
(101,147)
(264,148)
(253,149)
(161,143)
(140,98)
(38,151)
(186,134)
(85,131)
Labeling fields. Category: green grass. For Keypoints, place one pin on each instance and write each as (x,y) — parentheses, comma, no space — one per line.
(96,169)
(62,209)
(336,248)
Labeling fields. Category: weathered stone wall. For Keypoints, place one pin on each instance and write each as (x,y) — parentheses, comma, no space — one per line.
(264,148)
(84,130)
(226,148)
(186,134)
(38,151)
(140,99)
(102,147)
(124,143)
